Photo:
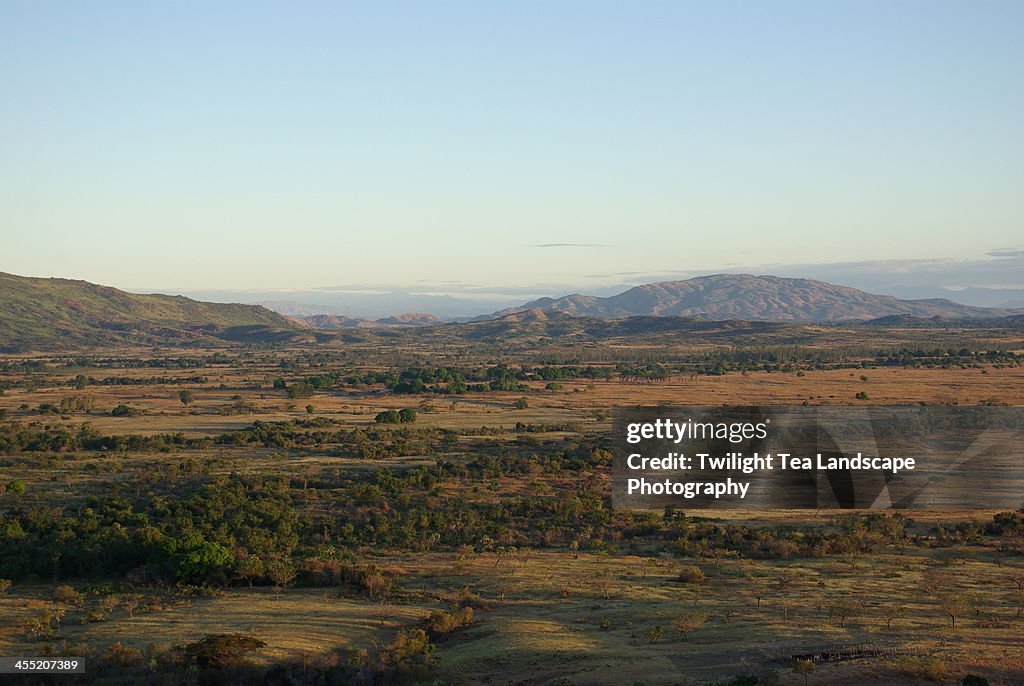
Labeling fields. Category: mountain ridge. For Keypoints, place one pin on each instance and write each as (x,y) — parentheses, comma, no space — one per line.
(752,298)
(53,313)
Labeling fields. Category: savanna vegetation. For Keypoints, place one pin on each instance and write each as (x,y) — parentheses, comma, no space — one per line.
(439,512)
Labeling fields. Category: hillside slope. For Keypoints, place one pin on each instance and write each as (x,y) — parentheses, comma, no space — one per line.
(752,298)
(49,314)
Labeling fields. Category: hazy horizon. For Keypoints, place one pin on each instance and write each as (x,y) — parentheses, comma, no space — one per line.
(994,281)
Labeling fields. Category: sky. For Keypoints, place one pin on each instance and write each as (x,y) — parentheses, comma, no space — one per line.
(512,147)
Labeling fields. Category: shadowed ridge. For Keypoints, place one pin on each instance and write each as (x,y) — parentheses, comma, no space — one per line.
(48,314)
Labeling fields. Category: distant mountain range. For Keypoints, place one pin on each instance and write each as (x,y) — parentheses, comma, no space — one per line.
(46,314)
(366,306)
(51,314)
(752,298)
(334,321)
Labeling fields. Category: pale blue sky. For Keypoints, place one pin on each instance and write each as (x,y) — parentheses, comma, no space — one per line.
(258,145)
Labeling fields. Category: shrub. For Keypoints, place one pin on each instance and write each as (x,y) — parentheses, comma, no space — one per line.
(221,650)
(804,668)
(94,616)
(441,622)
(410,649)
(407,415)
(387,417)
(300,390)
(68,595)
(690,575)
(690,622)
(376,583)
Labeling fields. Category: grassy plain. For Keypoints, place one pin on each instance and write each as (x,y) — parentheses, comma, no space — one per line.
(579,595)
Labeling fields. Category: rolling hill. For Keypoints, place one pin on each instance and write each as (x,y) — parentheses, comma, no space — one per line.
(52,314)
(536,324)
(752,298)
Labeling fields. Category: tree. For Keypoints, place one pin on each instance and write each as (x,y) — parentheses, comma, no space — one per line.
(221,650)
(41,626)
(67,595)
(250,568)
(406,416)
(376,584)
(281,571)
(522,403)
(842,610)
(193,559)
(503,586)
(57,614)
(410,648)
(606,582)
(387,417)
(109,603)
(804,668)
(786,579)
(728,612)
(690,622)
(384,610)
(130,605)
(186,397)
(123,410)
(954,605)
(300,391)
(893,612)
(1018,581)
(933,580)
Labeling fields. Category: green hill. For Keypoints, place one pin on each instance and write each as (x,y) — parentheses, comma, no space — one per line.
(50,314)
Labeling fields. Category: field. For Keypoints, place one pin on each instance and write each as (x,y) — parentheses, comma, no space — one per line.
(260,496)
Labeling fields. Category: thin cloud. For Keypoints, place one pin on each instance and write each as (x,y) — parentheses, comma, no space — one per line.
(570,245)
(1006,252)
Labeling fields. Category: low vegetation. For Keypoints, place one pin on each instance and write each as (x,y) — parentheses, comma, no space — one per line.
(340,514)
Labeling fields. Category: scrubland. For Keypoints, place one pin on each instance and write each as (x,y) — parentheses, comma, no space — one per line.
(247,515)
